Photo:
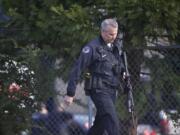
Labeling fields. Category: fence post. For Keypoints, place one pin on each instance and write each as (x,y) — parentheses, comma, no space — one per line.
(90,112)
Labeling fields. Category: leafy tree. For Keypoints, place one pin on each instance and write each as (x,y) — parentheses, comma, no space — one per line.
(39,32)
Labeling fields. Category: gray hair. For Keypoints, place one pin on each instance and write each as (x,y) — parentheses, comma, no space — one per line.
(108,22)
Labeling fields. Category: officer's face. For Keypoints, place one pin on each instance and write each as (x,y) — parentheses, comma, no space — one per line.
(109,34)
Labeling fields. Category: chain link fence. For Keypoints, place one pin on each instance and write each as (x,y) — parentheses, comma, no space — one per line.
(155,77)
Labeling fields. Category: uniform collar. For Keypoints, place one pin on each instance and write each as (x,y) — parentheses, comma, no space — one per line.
(105,46)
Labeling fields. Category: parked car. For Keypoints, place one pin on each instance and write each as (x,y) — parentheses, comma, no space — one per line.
(167,123)
(51,121)
(83,120)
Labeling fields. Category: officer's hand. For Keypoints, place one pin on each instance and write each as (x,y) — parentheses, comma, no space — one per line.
(68,100)
(124,76)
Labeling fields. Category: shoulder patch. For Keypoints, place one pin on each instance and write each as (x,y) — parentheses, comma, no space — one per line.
(86,49)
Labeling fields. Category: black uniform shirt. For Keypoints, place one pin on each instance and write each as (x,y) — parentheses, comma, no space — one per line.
(93,57)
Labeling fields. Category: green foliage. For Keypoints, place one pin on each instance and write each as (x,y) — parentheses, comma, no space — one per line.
(149,18)
(16,105)
(51,24)
(41,31)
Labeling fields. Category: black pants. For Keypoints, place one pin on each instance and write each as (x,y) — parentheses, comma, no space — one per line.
(106,120)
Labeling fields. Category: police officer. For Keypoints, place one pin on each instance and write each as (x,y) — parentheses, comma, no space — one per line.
(102,58)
